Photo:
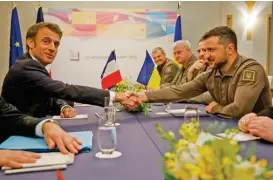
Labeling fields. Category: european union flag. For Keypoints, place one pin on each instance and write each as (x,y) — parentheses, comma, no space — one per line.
(178,29)
(146,70)
(40,15)
(16,46)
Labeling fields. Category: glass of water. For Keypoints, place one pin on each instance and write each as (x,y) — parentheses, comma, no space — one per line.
(191,113)
(167,106)
(110,109)
(107,136)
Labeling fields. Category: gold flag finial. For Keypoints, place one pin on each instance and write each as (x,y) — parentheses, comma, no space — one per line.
(178,7)
(39,4)
(13,4)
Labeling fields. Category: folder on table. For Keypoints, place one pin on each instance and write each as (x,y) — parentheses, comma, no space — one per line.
(38,144)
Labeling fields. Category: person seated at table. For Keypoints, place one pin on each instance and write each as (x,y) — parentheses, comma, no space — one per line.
(184,56)
(260,124)
(29,87)
(13,122)
(196,69)
(166,68)
(238,84)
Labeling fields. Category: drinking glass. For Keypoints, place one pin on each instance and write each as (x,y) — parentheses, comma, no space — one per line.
(191,113)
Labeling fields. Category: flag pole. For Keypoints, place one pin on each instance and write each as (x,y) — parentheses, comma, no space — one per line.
(178,7)
(39,4)
(13,5)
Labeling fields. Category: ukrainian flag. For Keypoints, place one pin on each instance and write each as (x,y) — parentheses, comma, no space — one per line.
(177,34)
(148,75)
(16,45)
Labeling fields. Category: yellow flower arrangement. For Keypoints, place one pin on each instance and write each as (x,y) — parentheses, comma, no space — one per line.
(192,158)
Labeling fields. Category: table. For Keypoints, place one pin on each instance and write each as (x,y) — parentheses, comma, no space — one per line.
(263,148)
(140,158)
(139,142)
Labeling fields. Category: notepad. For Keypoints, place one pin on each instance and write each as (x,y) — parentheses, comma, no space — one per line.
(79,116)
(44,168)
(37,144)
(49,159)
(161,113)
(241,136)
(182,112)
(82,105)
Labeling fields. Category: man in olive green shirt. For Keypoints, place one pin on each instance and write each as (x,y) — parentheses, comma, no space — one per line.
(167,69)
(239,85)
(184,56)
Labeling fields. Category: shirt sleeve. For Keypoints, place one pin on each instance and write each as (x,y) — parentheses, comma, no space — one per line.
(179,92)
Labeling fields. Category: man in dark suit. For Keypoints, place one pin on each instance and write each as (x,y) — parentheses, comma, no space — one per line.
(28,86)
(13,122)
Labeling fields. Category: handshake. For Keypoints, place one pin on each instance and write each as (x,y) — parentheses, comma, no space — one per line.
(131,100)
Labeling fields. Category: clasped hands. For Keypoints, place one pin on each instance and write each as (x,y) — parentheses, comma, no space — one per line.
(131,100)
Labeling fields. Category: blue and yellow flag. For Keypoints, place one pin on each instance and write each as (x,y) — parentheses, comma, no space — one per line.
(16,46)
(40,15)
(148,75)
(177,34)
(178,29)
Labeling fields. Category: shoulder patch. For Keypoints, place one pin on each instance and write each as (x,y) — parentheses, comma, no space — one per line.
(249,75)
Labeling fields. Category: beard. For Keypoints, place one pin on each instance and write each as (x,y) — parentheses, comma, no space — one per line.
(219,64)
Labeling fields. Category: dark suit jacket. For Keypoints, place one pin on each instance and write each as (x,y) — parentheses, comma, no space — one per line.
(28,86)
(14,122)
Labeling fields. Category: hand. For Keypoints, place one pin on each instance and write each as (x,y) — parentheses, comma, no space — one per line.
(56,136)
(68,112)
(210,106)
(261,126)
(244,121)
(14,159)
(140,95)
(196,66)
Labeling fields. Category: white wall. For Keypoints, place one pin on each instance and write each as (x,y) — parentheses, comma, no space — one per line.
(256,48)
(197,18)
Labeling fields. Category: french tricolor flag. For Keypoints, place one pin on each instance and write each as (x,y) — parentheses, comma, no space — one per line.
(110,75)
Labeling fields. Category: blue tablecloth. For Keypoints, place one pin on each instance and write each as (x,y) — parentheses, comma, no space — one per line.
(140,158)
(139,143)
(263,148)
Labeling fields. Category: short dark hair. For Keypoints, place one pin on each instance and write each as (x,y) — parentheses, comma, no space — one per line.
(34,29)
(226,35)
(200,40)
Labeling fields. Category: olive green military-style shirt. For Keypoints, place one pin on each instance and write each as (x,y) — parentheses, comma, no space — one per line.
(243,89)
(168,72)
(181,75)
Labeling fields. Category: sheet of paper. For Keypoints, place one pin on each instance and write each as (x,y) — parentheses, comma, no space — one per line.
(241,136)
(161,113)
(49,159)
(79,116)
(180,111)
(81,105)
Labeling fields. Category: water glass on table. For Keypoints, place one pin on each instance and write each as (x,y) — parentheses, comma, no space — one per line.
(110,109)
(107,137)
(191,113)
